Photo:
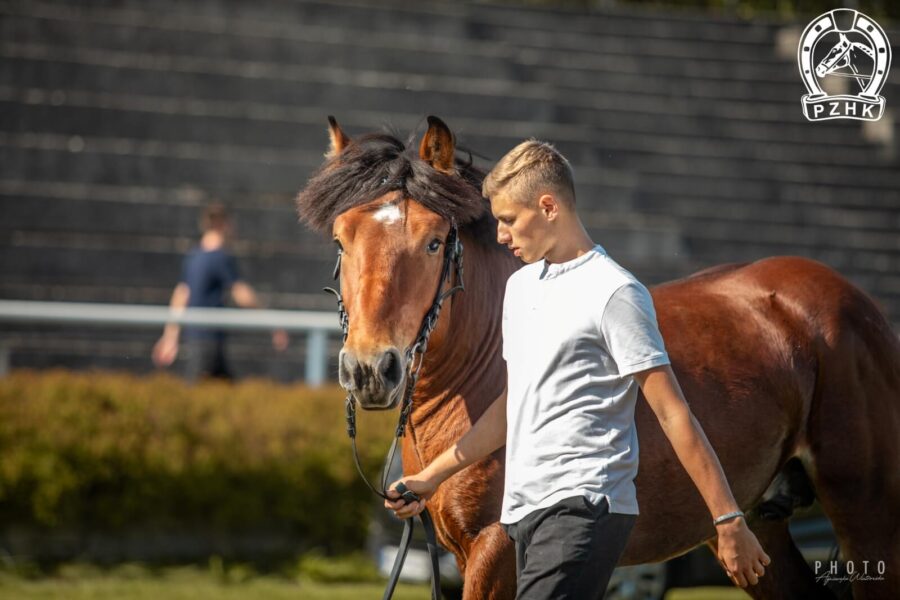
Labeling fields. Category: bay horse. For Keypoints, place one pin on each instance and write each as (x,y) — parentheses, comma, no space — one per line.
(782,360)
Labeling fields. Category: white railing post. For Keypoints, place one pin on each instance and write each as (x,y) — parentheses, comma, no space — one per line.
(316,356)
(316,324)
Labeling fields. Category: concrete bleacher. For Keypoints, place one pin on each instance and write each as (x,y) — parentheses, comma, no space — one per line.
(119,120)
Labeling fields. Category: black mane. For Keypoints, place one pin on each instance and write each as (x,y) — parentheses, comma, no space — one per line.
(377,163)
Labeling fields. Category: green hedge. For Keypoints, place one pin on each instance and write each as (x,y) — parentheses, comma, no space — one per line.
(109,452)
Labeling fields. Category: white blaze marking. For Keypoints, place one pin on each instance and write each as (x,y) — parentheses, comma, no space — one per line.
(388,213)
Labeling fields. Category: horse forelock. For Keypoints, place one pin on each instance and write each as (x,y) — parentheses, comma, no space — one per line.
(376,164)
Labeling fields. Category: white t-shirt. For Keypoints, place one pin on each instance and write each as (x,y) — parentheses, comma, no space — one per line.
(573,333)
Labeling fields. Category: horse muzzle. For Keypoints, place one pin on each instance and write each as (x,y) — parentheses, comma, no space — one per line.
(375,381)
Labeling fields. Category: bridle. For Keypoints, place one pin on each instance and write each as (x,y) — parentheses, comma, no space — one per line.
(415,356)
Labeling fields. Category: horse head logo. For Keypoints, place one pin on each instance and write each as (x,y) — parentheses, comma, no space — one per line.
(861,52)
(846,55)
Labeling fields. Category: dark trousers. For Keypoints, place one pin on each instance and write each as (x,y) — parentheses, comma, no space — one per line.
(568,550)
(205,358)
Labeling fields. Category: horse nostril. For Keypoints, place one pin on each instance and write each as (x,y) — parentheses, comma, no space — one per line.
(349,371)
(390,368)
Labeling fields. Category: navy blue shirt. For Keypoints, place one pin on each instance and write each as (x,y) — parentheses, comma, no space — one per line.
(209,275)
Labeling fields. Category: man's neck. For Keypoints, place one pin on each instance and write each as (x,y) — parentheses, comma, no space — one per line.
(212,240)
(571,247)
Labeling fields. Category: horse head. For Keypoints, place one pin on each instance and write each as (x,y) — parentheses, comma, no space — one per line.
(836,58)
(390,209)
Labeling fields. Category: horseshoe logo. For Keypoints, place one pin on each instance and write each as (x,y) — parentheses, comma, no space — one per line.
(861,53)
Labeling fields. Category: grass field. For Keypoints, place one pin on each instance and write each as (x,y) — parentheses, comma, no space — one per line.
(136,582)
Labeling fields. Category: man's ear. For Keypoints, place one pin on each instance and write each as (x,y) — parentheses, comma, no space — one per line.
(338,139)
(438,148)
(549,206)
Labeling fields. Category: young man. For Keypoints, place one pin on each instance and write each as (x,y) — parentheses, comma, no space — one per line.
(579,336)
(208,272)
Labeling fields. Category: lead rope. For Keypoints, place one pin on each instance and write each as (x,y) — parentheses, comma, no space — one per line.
(415,357)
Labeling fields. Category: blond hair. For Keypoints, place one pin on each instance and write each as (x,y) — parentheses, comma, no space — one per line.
(530,169)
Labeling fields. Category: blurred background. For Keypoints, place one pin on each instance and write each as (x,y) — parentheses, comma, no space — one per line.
(121,120)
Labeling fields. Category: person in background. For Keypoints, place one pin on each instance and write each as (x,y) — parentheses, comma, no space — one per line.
(208,272)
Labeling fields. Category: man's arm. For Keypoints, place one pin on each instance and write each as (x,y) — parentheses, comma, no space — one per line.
(665,397)
(245,297)
(166,349)
(486,435)
(738,549)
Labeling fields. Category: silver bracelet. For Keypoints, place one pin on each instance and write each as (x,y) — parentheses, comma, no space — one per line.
(727,517)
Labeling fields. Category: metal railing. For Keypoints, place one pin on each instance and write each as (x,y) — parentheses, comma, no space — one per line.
(315,324)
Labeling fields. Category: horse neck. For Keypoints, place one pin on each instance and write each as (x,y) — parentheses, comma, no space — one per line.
(463,370)
(856,48)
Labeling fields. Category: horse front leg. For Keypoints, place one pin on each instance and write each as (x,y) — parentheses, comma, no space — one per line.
(490,571)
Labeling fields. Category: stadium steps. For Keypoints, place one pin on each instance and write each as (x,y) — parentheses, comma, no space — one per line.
(118,121)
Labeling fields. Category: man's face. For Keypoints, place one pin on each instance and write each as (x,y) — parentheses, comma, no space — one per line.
(523,227)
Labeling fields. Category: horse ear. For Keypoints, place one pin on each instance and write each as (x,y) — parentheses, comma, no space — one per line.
(338,138)
(438,148)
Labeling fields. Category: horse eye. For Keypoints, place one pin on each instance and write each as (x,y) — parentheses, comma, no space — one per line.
(434,246)
(339,245)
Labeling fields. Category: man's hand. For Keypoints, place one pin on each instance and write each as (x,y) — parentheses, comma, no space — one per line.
(486,435)
(740,554)
(165,350)
(422,486)
(280,340)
